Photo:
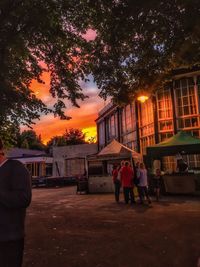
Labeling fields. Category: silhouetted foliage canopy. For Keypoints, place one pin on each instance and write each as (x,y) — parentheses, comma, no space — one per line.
(142,44)
(138,44)
(38,36)
(70,137)
(30,140)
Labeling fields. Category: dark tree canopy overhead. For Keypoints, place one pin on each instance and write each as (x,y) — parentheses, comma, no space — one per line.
(139,43)
(34,34)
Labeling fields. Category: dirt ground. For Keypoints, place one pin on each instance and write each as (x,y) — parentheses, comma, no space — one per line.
(69,230)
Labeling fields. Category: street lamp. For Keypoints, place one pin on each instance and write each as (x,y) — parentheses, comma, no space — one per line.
(142,98)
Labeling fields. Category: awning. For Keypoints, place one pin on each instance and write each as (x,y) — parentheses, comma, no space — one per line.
(116,150)
(182,143)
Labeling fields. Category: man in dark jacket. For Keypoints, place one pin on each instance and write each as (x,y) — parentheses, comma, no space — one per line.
(15,197)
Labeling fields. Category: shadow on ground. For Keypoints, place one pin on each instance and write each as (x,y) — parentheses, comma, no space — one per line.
(69,230)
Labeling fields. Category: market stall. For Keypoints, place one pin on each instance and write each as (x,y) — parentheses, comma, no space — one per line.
(100,166)
(182,180)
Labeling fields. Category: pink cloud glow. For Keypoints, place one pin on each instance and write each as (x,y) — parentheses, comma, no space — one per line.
(82,118)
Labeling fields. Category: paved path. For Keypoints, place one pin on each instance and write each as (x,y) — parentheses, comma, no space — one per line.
(69,230)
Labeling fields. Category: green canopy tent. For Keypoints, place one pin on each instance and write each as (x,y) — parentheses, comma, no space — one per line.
(182,143)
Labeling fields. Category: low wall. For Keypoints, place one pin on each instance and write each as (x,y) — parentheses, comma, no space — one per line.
(100,184)
(179,184)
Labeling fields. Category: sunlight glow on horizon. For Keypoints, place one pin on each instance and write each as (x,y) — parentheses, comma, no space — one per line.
(83,118)
(90,132)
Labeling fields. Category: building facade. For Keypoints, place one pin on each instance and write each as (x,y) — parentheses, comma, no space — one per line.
(38,163)
(70,161)
(167,111)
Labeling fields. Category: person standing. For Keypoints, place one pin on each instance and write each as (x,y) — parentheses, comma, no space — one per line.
(137,175)
(15,197)
(143,184)
(116,181)
(157,183)
(127,175)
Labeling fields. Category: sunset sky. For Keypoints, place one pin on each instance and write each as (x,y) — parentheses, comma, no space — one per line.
(83,118)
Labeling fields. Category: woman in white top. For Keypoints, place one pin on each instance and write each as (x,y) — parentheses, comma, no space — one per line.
(143,184)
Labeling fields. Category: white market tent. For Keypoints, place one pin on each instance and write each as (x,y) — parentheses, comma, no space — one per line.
(100,166)
(117,150)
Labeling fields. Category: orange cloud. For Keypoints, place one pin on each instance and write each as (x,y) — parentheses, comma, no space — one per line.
(49,126)
(42,90)
(83,118)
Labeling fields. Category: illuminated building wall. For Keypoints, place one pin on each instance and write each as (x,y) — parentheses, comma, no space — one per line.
(146,125)
(138,125)
(186,93)
(128,130)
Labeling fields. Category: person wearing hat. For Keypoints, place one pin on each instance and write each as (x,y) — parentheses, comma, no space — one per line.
(15,197)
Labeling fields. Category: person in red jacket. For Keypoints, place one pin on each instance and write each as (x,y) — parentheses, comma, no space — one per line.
(117,182)
(127,175)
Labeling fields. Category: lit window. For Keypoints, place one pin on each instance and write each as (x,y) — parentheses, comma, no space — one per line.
(146,125)
(101,133)
(129,137)
(185,95)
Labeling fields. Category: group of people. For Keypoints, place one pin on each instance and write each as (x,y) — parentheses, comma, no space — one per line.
(127,177)
(15,197)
